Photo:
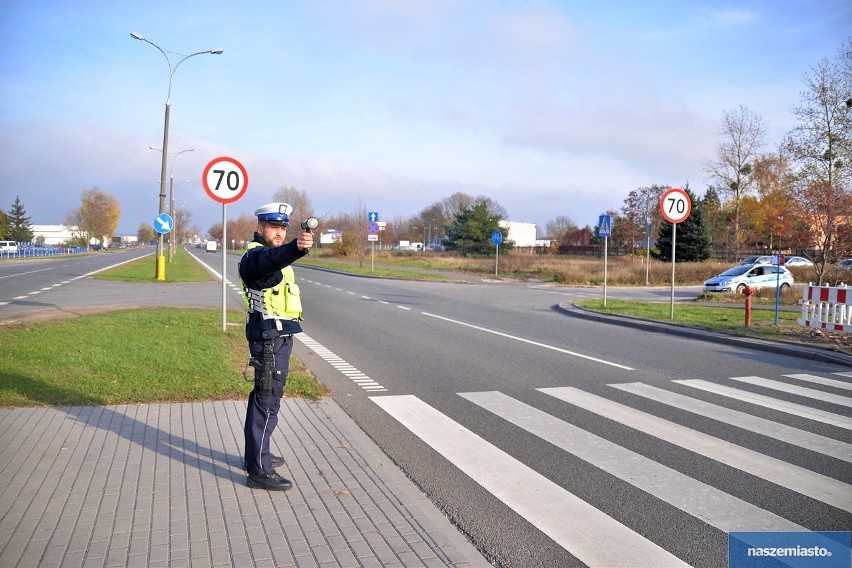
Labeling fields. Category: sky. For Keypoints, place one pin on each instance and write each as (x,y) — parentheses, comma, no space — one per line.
(550,108)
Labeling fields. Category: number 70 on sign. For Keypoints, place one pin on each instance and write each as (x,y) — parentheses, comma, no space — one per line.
(675,205)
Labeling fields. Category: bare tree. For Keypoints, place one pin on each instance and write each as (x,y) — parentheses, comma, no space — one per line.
(743,133)
(556,228)
(300,201)
(819,149)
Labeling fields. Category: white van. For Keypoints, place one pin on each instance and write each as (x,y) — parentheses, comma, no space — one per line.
(211,246)
(9,247)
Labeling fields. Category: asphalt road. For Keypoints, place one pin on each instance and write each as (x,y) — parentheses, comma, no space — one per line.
(551,440)
(504,411)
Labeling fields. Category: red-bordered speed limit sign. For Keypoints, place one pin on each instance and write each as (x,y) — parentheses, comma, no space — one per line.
(675,205)
(225,179)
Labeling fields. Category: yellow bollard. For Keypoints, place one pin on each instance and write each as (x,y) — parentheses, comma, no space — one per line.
(161,267)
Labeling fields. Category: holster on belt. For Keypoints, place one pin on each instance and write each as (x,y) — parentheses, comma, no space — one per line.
(266,379)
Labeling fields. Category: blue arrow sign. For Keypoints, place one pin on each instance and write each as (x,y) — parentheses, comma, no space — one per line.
(163,223)
(373,216)
(604,225)
(497,237)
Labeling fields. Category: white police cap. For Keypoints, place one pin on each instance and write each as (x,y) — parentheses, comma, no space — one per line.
(275,213)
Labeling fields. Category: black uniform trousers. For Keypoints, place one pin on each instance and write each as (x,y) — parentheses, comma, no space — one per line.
(262,411)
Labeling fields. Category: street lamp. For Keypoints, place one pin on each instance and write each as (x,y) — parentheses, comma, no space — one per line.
(172,194)
(161,264)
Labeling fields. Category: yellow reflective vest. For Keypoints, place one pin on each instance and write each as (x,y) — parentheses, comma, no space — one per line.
(281,302)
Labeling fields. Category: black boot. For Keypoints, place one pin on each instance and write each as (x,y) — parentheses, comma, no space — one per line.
(271,482)
(277,461)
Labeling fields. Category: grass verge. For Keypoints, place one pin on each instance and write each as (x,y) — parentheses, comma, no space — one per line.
(132,357)
(725,319)
(183,268)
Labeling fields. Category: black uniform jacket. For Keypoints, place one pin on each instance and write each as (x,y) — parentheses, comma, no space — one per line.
(260,268)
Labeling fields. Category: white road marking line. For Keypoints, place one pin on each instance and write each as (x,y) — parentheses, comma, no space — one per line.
(793,389)
(795,436)
(530,342)
(798,479)
(543,503)
(773,403)
(349,371)
(822,381)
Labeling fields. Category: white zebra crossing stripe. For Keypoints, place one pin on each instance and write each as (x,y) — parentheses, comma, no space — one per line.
(795,436)
(798,479)
(708,504)
(773,403)
(793,389)
(544,504)
(822,381)
(353,374)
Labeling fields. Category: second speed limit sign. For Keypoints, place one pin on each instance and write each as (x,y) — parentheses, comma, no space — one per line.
(225,179)
(675,205)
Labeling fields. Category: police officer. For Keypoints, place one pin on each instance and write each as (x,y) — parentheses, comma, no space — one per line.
(274,312)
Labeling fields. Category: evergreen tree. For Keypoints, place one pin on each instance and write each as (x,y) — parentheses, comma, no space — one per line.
(693,239)
(4,226)
(470,233)
(20,228)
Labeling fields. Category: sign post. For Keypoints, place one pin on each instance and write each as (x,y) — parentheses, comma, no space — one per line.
(675,205)
(225,180)
(496,238)
(605,230)
(372,236)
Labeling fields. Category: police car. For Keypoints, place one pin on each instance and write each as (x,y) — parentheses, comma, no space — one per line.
(756,276)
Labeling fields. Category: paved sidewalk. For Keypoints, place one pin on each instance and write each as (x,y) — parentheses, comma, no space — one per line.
(163,485)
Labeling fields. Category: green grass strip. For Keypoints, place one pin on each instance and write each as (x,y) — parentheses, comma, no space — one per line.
(132,357)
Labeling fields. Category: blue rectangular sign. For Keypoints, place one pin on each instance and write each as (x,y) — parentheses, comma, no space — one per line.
(604,226)
(790,549)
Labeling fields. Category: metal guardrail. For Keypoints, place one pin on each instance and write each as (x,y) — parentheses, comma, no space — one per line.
(30,252)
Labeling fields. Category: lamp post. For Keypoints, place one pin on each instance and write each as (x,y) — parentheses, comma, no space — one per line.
(161,264)
(172,195)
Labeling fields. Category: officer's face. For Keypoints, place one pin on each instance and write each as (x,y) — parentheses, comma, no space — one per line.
(273,235)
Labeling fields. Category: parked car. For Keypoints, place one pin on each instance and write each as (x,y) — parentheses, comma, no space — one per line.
(757,259)
(757,276)
(797,261)
(845,264)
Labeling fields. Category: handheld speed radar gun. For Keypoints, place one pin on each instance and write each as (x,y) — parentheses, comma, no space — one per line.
(309,224)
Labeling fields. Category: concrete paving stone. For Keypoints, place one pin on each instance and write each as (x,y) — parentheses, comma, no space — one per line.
(117,556)
(137,561)
(323,554)
(158,553)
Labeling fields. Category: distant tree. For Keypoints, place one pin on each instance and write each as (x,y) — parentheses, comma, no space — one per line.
(298,198)
(4,226)
(433,219)
(19,227)
(353,242)
(556,228)
(819,149)
(641,209)
(97,217)
(743,133)
(692,242)
(470,233)
(183,221)
(145,233)
(716,219)
(241,230)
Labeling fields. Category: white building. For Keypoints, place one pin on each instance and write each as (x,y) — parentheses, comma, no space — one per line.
(523,234)
(53,234)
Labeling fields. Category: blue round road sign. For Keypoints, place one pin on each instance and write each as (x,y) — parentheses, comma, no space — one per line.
(497,237)
(163,223)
